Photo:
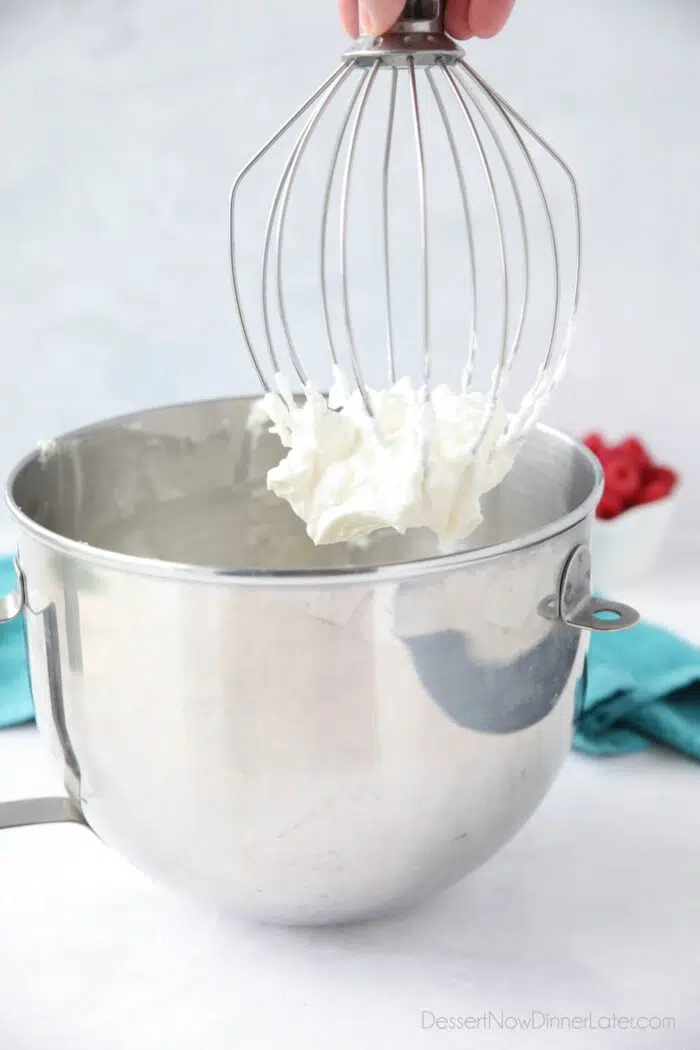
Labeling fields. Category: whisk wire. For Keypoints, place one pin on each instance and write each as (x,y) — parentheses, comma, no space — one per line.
(550,369)
(544,368)
(423,213)
(345,121)
(525,243)
(344,68)
(497,98)
(499,371)
(368,82)
(275,231)
(385,225)
(472,305)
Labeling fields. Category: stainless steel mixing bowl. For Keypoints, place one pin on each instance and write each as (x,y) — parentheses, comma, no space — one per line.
(300,735)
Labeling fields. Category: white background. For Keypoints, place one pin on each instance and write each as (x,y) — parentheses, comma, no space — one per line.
(123,122)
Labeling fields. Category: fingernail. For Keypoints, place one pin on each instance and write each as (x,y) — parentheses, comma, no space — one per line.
(367,23)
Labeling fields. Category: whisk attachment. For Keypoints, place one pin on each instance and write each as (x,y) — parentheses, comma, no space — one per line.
(477,287)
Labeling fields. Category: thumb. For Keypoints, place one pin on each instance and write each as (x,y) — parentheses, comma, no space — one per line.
(376,16)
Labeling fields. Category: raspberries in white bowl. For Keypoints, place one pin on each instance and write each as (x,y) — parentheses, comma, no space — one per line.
(634,513)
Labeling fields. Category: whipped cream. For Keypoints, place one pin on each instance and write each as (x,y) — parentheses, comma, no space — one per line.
(416,462)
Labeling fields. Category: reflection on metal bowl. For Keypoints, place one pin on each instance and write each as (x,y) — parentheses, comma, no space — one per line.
(300,735)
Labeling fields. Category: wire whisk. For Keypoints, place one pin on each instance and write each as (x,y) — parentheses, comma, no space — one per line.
(457,260)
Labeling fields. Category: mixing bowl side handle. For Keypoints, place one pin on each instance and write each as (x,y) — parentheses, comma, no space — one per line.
(12,605)
(25,813)
(576,606)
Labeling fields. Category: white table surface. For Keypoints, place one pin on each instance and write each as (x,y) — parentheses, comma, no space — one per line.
(593,910)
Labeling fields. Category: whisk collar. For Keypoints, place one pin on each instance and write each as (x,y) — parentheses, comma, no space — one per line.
(394,50)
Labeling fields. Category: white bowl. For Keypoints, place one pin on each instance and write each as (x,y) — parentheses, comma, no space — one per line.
(626,548)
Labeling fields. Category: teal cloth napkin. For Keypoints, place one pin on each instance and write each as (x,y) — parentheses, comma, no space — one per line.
(642,686)
(16,706)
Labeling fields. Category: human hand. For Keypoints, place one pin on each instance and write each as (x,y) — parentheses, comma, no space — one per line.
(464,18)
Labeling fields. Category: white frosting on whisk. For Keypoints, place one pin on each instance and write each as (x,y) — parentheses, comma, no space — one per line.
(412,464)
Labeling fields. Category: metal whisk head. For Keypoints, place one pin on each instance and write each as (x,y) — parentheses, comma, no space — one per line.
(456,260)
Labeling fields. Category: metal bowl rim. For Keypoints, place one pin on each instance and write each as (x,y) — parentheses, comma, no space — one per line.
(199,574)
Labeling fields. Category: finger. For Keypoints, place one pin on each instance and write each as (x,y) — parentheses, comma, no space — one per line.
(457,19)
(349,17)
(376,16)
(487,17)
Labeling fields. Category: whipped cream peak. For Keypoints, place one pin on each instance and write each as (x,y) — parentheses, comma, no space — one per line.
(418,461)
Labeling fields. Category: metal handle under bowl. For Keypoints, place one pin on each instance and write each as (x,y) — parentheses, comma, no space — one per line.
(573,604)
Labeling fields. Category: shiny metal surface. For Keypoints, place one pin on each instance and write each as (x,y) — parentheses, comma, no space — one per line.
(422,16)
(496,319)
(298,734)
(28,813)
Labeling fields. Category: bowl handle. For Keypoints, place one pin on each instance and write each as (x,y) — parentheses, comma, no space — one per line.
(576,606)
(24,813)
(13,604)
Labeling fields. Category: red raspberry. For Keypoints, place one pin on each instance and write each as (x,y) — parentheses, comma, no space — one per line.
(665,475)
(622,478)
(633,451)
(659,483)
(652,492)
(610,506)
(595,444)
